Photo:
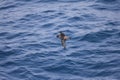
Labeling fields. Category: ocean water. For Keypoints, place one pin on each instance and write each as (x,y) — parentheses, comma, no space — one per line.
(29,49)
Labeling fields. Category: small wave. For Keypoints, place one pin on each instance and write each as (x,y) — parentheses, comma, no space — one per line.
(9,64)
(2,34)
(10,53)
(20,72)
(48,25)
(97,36)
(7,7)
(107,1)
(43,17)
(34,46)
(19,35)
(7,23)
(109,7)
(74,19)
(49,11)
(31,16)
(85,17)
(5,54)
(60,0)
(113,23)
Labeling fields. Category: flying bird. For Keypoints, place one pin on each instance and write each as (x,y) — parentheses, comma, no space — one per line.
(63,38)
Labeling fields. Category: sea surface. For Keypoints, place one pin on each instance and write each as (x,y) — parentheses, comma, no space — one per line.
(30,50)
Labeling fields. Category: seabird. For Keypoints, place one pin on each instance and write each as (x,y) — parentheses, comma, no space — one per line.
(63,38)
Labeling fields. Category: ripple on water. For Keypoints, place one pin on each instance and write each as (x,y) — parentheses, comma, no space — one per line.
(22,71)
(8,7)
(107,1)
(6,54)
(98,36)
(74,19)
(29,17)
(106,7)
(48,25)
(113,23)
(49,11)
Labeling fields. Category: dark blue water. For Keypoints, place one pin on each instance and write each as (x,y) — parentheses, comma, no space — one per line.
(29,49)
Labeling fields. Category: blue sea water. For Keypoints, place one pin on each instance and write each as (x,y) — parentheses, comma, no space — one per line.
(29,49)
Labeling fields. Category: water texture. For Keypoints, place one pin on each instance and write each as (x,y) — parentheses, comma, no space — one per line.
(29,49)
